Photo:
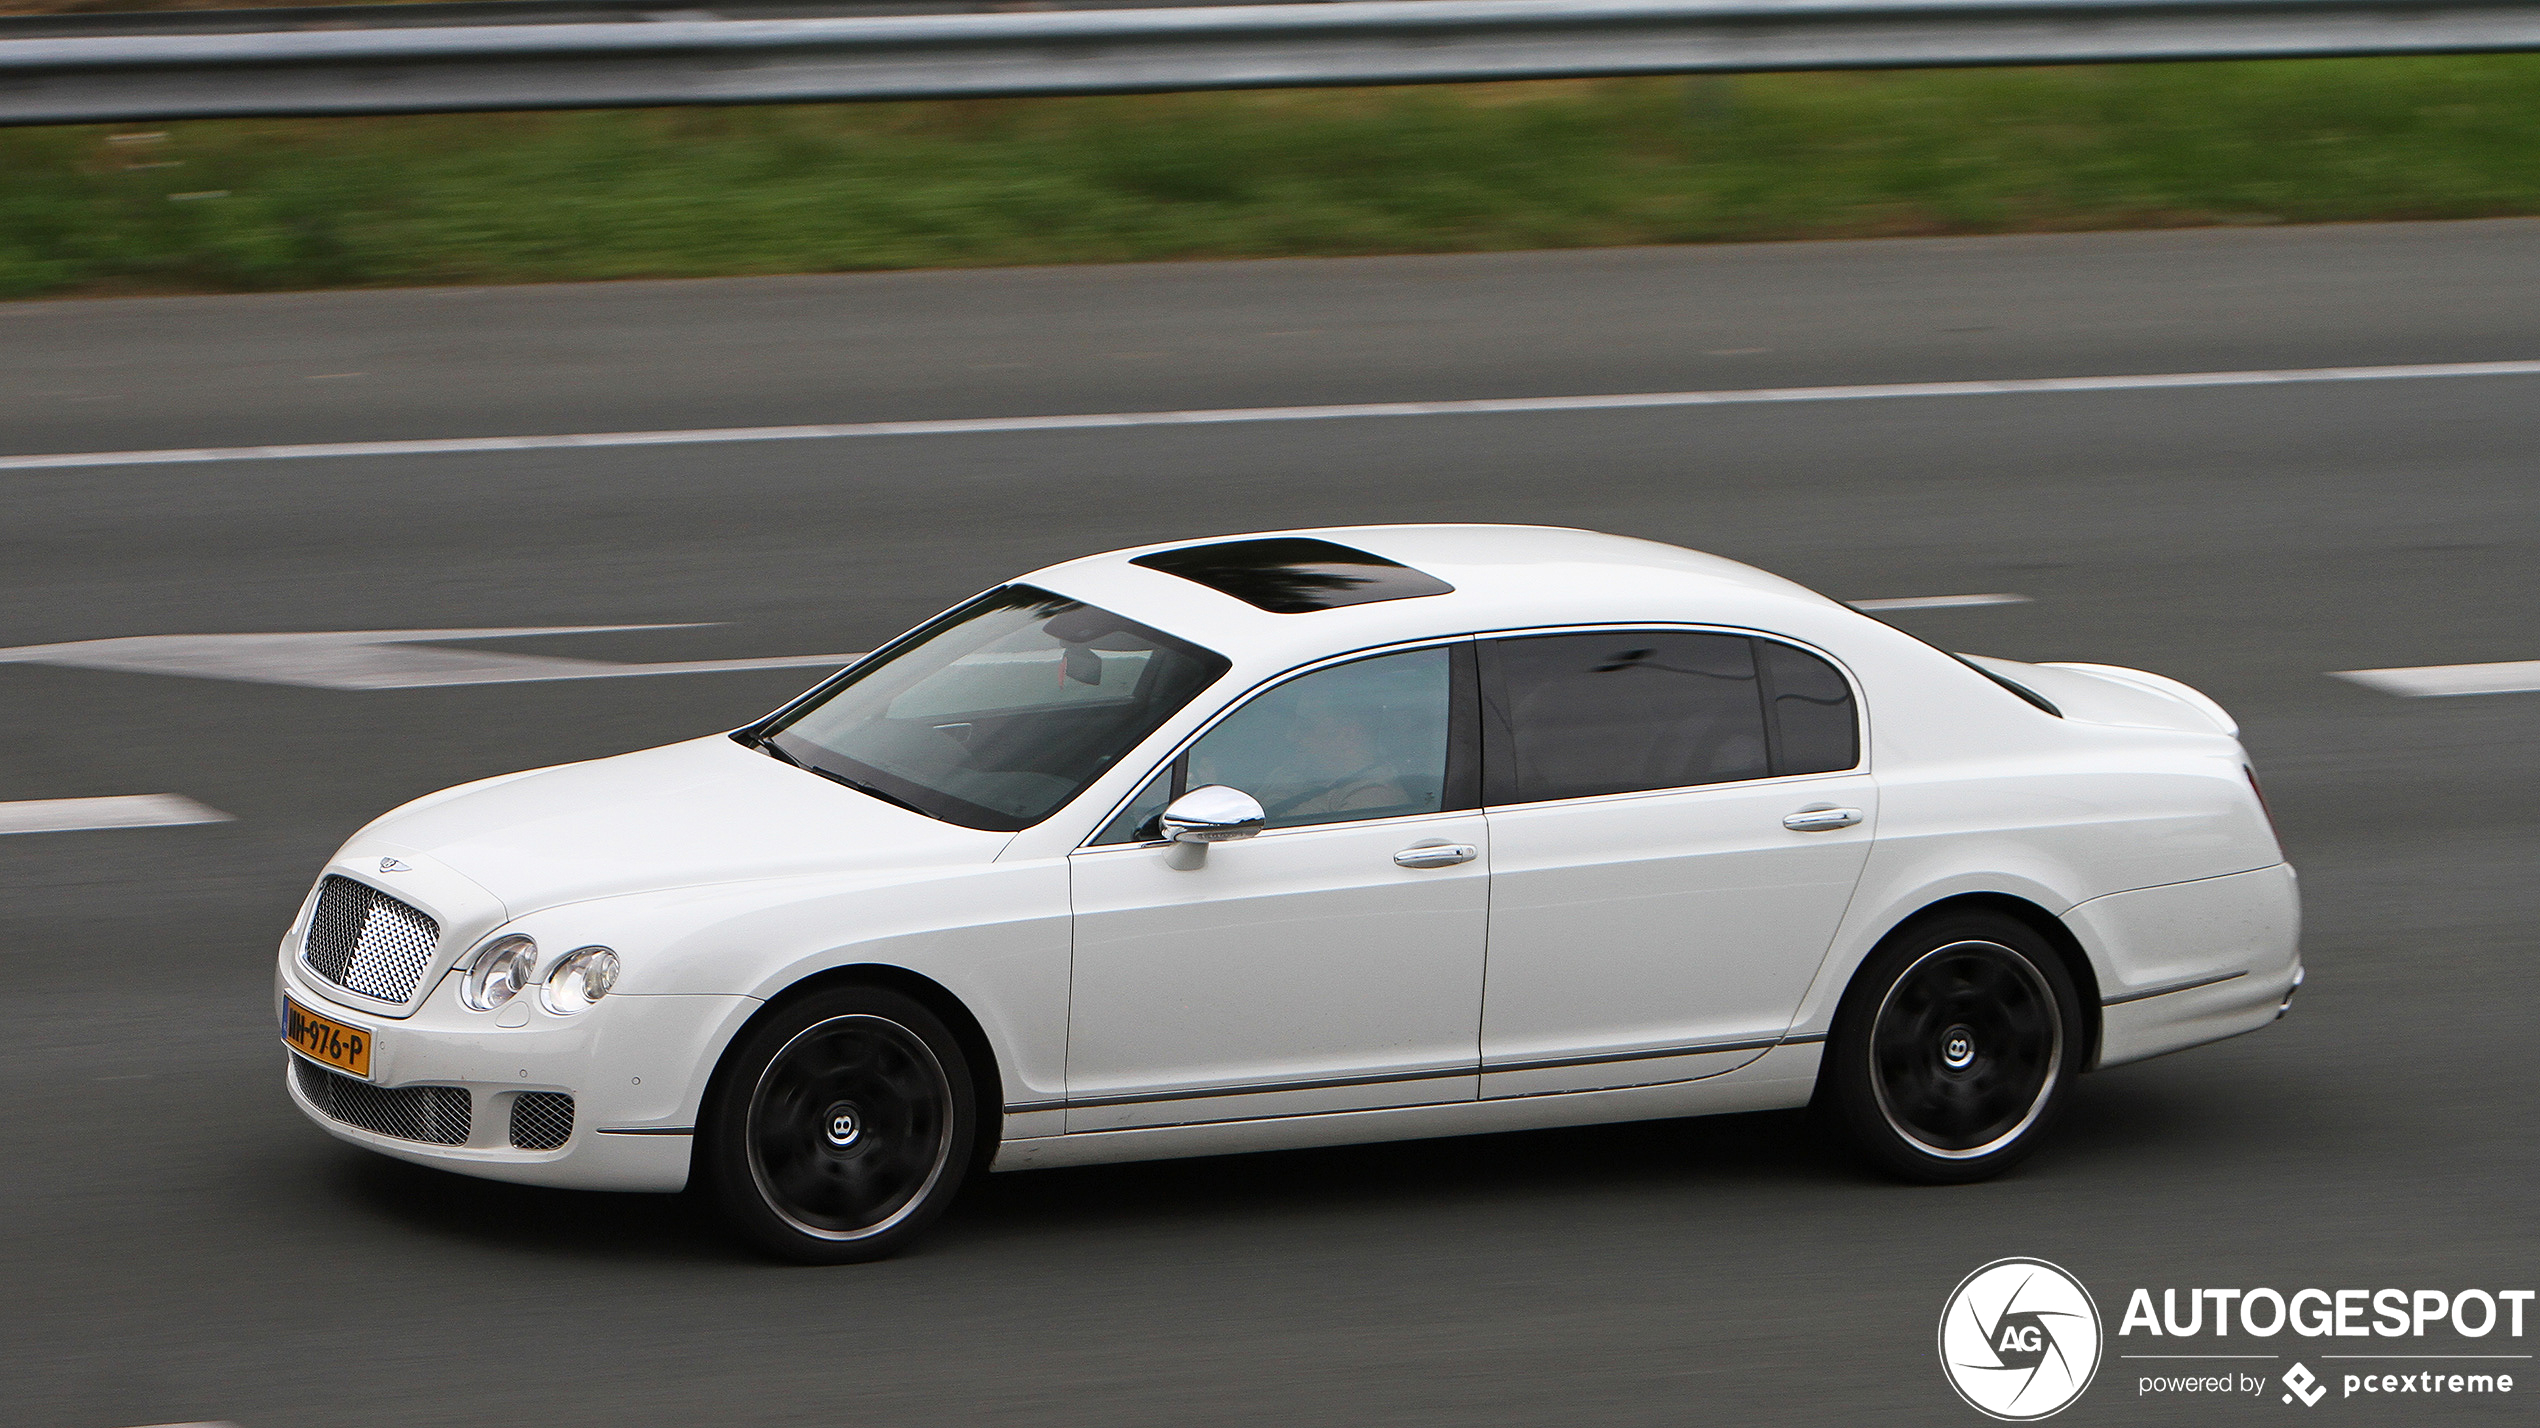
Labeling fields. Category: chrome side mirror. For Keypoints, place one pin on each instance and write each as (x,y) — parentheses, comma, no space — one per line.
(1214,814)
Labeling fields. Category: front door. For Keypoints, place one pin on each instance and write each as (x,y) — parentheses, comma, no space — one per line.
(1330,963)
(1655,916)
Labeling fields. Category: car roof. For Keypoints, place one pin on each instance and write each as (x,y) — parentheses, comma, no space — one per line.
(1504,577)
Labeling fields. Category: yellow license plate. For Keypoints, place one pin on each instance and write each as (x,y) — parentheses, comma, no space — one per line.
(320,1038)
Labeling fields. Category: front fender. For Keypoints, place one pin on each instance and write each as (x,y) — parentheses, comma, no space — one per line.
(995,935)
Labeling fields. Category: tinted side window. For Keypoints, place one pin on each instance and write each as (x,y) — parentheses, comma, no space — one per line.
(1367,739)
(1817,728)
(1574,716)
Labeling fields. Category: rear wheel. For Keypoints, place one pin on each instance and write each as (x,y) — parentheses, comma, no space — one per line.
(1954,1049)
(838,1129)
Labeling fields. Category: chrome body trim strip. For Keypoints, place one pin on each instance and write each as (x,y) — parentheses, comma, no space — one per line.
(1269,1088)
(1659,1053)
(2188,986)
(1266,1088)
(646,1130)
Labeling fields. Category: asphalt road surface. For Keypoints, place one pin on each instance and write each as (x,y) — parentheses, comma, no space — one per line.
(180,1246)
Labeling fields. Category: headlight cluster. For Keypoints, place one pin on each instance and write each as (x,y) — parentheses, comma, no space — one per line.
(505,967)
(500,972)
(580,979)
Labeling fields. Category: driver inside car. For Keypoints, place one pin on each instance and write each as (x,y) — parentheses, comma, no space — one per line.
(1361,740)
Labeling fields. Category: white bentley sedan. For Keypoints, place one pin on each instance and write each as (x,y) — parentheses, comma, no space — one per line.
(1299,839)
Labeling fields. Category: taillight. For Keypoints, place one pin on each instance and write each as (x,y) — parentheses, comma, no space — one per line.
(2262,801)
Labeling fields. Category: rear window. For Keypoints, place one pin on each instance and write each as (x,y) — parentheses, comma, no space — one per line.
(1816,728)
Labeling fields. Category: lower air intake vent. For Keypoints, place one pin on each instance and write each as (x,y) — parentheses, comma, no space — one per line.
(436,1115)
(541,1120)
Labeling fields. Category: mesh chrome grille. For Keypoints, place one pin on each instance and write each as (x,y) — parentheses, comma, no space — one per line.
(437,1115)
(365,941)
(541,1120)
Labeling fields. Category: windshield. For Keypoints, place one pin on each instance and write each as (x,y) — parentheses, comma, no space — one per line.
(999,713)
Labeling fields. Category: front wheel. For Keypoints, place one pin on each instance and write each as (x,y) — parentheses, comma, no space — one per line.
(839,1128)
(1954,1049)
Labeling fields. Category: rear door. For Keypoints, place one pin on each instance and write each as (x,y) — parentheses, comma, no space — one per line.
(1678,819)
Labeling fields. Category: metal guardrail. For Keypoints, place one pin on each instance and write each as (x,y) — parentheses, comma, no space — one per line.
(124,24)
(1354,42)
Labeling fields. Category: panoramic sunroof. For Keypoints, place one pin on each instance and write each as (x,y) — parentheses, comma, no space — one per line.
(1291,575)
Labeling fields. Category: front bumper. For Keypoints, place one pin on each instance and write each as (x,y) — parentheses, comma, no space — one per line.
(635,1066)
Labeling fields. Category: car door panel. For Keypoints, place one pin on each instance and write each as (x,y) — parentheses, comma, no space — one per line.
(1662,923)
(1305,958)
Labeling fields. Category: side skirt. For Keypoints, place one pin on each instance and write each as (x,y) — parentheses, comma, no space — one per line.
(1779,1079)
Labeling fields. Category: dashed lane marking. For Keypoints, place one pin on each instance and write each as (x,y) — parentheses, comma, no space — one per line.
(131,810)
(1936,602)
(1487,406)
(2434,681)
(373,659)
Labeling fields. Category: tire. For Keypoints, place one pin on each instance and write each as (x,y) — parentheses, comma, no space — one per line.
(837,1130)
(1954,1049)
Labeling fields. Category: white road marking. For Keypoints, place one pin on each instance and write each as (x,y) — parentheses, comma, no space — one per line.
(964,426)
(2431,681)
(372,659)
(1935,602)
(131,810)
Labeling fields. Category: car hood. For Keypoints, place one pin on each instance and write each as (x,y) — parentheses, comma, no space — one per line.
(705,811)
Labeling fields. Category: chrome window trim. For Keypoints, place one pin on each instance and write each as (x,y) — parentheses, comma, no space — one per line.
(1860,719)
(1678,792)
(1397,819)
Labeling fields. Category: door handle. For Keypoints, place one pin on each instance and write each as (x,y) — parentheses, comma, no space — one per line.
(1437,855)
(1821,820)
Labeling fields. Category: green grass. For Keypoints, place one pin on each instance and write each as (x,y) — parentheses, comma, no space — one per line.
(526,198)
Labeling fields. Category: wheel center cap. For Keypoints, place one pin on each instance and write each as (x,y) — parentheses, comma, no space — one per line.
(845,1127)
(1957,1048)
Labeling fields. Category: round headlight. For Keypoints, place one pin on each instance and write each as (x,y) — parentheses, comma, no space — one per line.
(583,977)
(500,972)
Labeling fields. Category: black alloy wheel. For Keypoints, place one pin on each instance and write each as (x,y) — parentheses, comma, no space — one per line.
(836,1130)
(1954,1048)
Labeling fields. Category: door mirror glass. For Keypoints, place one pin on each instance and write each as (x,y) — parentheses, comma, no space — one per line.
(1215,814)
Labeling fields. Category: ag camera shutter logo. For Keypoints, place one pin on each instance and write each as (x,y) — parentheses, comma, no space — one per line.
(2020,1339)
